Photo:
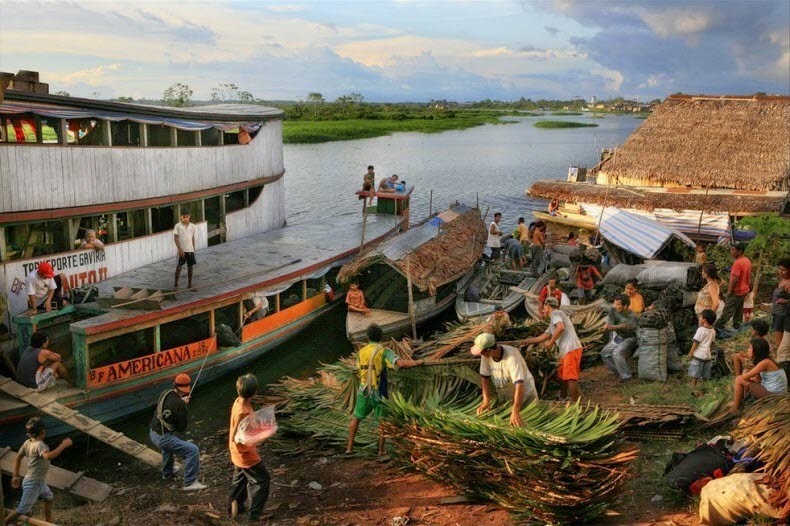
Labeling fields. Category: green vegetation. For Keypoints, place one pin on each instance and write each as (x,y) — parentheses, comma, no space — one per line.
(377,125)
(642,117)
(565,113)
(563,124)
(529,114)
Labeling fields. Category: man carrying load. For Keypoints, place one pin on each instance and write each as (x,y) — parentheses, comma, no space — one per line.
(372,361)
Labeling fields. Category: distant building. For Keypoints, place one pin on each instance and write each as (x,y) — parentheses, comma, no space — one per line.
(592,100)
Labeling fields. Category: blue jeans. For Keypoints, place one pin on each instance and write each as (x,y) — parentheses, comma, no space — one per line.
(31,491)
(171,445)
(615,355)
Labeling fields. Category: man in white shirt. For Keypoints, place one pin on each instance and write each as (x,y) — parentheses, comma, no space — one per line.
(184,237)
(41,287)
(562,332)
(495,236)
(506,368)
(256,305)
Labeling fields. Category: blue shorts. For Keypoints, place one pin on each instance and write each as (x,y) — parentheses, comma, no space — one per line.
(32,490)
(700,369)
(778,322)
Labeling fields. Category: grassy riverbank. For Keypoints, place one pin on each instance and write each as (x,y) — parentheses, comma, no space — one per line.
(304,131)
(563,124)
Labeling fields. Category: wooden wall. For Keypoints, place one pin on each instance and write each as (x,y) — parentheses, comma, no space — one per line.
(38,177)
(266,213)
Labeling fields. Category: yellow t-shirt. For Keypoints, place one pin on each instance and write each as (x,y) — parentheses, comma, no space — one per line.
(637,304)
(523,232)
(364,357)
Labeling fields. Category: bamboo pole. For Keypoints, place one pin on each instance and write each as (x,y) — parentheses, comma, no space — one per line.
(24,519)
(411,299)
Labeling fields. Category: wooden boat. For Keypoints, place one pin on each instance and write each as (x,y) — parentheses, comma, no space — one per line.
(416,275)
(494,284)
(531,299)
(120,354)
(568,218)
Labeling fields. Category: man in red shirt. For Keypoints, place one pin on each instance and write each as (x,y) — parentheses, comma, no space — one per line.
(740,285)
(550,288)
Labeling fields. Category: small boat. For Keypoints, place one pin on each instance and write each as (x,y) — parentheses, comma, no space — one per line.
(494,284)
(531,298)
(413,277)
(568,215)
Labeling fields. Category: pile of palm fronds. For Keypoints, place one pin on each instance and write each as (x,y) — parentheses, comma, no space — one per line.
(564,465)
(765,426)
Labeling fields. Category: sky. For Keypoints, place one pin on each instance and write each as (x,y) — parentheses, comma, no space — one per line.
(403,50)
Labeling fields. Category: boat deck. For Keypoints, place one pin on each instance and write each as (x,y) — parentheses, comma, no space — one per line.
(253,263)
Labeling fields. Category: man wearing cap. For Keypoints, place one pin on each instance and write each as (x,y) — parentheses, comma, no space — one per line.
(41,288)
(171,417)
(506,368)
(740,285)
(562,332)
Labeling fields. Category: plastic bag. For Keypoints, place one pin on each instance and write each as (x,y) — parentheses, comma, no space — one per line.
(652,364)
(622,273)
(257,427)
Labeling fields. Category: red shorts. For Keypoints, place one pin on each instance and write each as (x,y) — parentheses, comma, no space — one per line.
(570,365)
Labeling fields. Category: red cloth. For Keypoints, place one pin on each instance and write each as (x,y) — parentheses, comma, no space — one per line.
(740,276)
(584,277)
(544,293)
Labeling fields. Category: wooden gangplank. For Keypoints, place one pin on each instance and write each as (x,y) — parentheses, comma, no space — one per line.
(63,479)
(81,422)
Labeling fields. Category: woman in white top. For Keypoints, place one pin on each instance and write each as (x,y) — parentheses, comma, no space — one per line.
(708,297)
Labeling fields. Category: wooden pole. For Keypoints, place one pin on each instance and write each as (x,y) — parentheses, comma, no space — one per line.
(477,200)
(430,204)
(412,314)
(364,223)
(24,519)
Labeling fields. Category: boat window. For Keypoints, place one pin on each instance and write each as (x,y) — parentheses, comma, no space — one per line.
(159,135)
(232,136)
(230,316)
(99,224)
(125,133)
(94,132)
(162,219)
(234,201)
(255,193)
(314,287)
(139,218)
(29,128)
(210,137)
(291,296)
(186,138)
(123,227)
(35,239)
(195,209)
(184,331)
(121,348)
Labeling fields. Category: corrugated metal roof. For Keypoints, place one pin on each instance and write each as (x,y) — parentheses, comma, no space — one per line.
(636,234)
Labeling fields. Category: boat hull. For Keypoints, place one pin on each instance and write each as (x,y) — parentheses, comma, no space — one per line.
(568,219)
(467,310)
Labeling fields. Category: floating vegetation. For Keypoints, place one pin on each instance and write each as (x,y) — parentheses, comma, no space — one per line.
(565,113)
(563,124)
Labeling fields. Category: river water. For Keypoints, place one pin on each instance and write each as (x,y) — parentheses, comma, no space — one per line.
(495,162)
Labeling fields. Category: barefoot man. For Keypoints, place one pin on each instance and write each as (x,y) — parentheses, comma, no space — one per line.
(355,299)
(184,238)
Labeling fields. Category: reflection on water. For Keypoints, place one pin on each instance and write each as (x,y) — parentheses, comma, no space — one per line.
(496,162)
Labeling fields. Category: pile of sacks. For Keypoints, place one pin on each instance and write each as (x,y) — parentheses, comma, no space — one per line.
(667,331)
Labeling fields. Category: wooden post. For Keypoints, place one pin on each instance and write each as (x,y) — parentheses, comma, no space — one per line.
(212,323)
(106,128)
(158,338)
(24,519)
(277,303)
(39,131)
(412,314)
(143,135)
(149,223)
(477,200)
(430,204)
(364,223)
(220,137)
(113,228)
(63,131)
(198,138)
(3,247)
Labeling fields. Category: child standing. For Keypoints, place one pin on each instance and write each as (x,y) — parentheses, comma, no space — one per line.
(250,477)
(700,353)
(38,457)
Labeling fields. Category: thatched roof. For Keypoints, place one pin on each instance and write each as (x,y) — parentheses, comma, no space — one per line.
(738,142)
(671,198)
(436,252)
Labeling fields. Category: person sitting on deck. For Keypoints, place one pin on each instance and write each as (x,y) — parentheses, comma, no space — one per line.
(622,322)
(388,184)
(38,367)
(170,417)
(91,241)
(585,282)
(637,304)
(765,378)
(504,366)
(42,288)
(551,289)
(255,305)
(372,361)
(368,180)
(554,208)
(355,300)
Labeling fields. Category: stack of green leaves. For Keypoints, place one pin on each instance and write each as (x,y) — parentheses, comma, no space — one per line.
(564,465)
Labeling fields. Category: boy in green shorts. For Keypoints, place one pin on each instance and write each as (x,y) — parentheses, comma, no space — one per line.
(371,362)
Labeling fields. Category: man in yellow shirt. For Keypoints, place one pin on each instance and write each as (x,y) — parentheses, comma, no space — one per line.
(371,362)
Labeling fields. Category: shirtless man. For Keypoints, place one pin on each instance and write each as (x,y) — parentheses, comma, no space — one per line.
(388,184)
(355,299)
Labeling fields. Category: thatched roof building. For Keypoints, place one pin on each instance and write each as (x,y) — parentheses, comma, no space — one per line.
(737,142)
(435,253)
(737,202)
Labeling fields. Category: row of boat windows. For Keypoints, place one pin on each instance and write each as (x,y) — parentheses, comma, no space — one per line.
(33,129)
(32,240)
(197,327)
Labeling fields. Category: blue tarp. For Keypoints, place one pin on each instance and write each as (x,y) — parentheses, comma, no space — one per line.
(638,235)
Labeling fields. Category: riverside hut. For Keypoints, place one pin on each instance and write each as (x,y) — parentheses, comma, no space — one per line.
(694,156)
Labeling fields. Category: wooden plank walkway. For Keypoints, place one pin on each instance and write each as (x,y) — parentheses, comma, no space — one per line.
(63,479)
(81,422)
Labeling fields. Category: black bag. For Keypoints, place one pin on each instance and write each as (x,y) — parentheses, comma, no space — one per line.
(720,367)
(684,469)
(694,279)
(472,295)
(226,337)
(83,294)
